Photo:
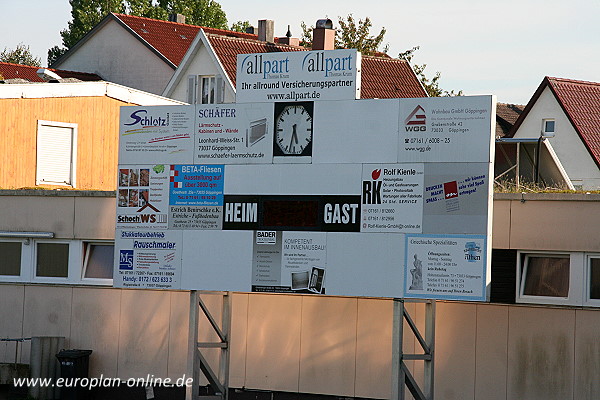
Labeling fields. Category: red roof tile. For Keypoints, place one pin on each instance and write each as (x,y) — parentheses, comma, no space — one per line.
(388,78)
(171,39)
(506,116)
(227,49)
(581,102)
(14,71)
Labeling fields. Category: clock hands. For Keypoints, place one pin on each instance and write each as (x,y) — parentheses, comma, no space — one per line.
(294,137)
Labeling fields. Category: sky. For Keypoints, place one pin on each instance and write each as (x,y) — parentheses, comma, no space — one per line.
(479,46)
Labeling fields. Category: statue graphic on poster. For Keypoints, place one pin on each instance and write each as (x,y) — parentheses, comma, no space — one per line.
(417,275)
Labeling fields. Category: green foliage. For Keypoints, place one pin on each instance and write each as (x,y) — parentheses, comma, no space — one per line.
(20,55)
(306,38)
(240,26)
(432,86)
(351,34)
(86,14)
(55,53)
(356,35)
(197,12)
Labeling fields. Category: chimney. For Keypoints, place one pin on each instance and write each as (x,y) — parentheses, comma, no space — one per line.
(323,35)
(288,39)
(266,30)
(252,30)
(179,18)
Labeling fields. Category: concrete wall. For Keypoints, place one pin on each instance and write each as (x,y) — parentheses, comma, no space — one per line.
(328,345)
(546,221)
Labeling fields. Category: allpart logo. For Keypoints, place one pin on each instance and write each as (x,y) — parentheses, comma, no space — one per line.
(416,120)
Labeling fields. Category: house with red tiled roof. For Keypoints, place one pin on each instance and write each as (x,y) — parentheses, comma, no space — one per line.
(147,54)
(25,73)
(565,114)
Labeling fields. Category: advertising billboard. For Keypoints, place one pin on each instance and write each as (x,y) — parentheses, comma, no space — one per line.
(382,198)
(298,76)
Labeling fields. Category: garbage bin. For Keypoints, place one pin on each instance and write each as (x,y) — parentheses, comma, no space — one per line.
(73,364)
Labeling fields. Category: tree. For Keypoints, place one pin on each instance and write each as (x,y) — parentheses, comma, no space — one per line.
(240,26)
(197,12)
(356,35)
(88,13)
(20,55)
(350,35)
(432,86)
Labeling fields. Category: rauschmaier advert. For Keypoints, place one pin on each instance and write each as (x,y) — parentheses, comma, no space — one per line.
(149,259)
(298,76)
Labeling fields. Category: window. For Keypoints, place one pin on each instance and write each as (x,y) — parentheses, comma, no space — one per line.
(595,278)
(52,260)
(98,260)
(56,153)
(205,89)
(546,276)
(10,254)
(56,261)
(551,278)
(548,127)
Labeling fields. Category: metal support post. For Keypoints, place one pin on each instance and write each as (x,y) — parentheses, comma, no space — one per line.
(218,382)
(401,374)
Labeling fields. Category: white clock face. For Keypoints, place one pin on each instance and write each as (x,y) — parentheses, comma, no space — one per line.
(293,129)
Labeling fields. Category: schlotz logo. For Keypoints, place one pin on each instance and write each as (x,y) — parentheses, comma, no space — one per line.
(416,120)
(140,117)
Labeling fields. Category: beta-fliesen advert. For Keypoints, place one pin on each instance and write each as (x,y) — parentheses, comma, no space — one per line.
(148,259)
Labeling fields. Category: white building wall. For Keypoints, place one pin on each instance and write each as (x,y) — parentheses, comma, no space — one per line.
(117,56)
(572,153)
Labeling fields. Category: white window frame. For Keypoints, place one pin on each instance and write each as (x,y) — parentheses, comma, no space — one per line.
(587,301)
(71,262)
(73,167)
(25,261)
(544,131)
(85,258)
(576,278)
(195,86)
(76,264)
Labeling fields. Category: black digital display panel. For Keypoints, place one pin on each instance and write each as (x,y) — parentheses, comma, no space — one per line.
(300,214)
(292,213)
